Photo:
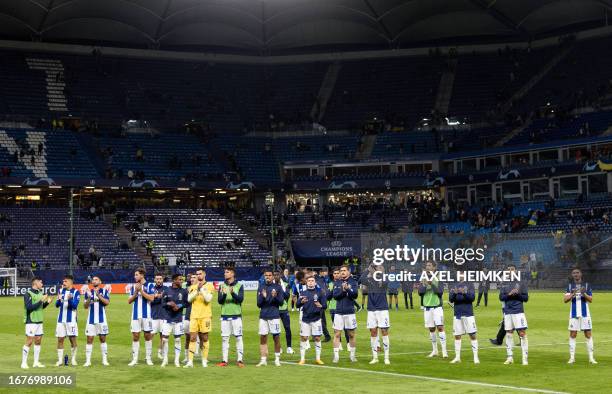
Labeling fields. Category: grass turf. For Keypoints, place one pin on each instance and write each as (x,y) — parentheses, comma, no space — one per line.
(410,370)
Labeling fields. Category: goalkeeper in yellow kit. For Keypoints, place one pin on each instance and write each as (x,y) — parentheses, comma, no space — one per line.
(200,296)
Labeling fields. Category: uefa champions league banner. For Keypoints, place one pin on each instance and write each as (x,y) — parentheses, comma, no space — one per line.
(313,249)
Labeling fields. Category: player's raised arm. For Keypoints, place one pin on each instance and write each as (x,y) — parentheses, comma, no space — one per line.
(147,294)
(437,288)
(338,292)
(104,297)
(470,294)
(453,296)
(238,297)
(87,300)
(587,293)
(524,294)
(277,296)
(353,290)
(193,293)
(323,298)
(59,300)
(74,300)
(221,296)
(207,294)
(503,294)
(27,301)
(133,294)
(569,294)
(261,299)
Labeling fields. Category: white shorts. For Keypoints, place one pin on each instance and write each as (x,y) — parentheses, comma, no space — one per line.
(63,330)
(33,329)
(464,325)
(231,327)
(516,321)
(157,325)
(378,319)
(93,330)
(345,322)
(144,324)
(172,328)
(580,324)
(269,327)
(433,317)
(307,329)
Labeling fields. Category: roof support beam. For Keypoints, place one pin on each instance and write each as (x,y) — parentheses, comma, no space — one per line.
(381,24)
(160,25)
(44,20)
(265,50)
(489,8)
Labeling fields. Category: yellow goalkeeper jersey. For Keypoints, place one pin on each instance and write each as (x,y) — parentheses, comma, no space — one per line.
(200,309)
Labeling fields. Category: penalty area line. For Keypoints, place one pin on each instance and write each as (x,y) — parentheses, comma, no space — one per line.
(431,378)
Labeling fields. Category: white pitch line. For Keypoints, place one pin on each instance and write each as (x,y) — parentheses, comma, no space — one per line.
(434,379)
(431,378)
(488,348)
(502,347)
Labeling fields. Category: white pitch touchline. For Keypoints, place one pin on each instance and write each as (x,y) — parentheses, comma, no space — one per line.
(502,347)
(488,347)
(443,380)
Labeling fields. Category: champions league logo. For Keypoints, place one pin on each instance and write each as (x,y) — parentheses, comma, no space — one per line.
(336,249)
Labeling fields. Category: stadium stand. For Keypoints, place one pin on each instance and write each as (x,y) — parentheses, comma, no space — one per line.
(393,144)
(485,80)
(399,90)
(50,154)
(162,156)
(211,239)
(26,241)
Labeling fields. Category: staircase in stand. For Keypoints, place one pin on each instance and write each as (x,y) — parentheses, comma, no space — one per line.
(512,133)
(367,146)
(325,92)
(445,88)
(125,236)
(522,92)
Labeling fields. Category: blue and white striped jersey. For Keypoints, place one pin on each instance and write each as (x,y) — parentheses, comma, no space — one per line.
(141,308)
(67,303)
(579,306)
(97,310)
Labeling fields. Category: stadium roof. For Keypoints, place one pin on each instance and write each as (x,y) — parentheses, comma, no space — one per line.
(277,26)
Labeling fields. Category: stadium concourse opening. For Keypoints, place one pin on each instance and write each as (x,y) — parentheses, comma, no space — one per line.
(390,193)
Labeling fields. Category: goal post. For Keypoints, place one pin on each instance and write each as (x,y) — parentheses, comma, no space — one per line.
(8,281)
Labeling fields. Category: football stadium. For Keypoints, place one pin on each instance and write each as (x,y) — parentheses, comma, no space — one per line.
(334,196)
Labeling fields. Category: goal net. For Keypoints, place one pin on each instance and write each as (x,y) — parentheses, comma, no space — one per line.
(8,281)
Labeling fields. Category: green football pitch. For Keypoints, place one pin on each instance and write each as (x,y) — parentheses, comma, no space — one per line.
(410,370)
